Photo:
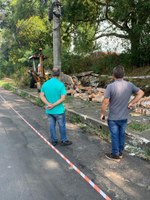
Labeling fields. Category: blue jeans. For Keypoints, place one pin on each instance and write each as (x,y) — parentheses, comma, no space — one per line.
(61,119)
(117,131)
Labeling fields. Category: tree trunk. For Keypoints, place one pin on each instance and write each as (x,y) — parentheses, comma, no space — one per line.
(135,49)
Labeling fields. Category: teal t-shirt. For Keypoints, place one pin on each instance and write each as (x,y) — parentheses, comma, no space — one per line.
(53,90)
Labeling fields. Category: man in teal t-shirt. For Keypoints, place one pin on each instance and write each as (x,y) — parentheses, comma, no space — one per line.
(53,94)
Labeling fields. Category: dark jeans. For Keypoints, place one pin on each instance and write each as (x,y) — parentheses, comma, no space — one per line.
(117,131)
(61,119)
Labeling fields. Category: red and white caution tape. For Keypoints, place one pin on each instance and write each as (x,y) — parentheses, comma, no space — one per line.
(62,156)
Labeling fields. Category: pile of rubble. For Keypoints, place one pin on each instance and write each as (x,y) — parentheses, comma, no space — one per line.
(145,102)
(84,85)
(143,106)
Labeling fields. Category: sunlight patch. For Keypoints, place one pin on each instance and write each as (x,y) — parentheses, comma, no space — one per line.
(51,164)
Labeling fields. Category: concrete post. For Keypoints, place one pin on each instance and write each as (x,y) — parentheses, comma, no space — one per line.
(56,34)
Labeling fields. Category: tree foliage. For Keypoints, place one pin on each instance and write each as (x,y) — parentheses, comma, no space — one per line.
(80,17)
(25,28)
(31,32)
(128,19)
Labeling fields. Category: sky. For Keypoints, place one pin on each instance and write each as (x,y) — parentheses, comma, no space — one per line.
(113,44)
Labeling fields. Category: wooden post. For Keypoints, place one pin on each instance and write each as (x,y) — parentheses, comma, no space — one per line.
(41,57)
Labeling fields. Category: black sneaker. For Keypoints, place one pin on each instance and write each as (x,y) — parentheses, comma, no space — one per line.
(54,143)
(120,155)
(66,143)
(112,157)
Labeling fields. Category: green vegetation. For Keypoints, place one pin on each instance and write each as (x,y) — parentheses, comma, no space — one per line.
(23,94)
(147,152)
(2,82)
(95,131)
(73,118)
(140,127)
(68,99)
(25,28)
(39,102)
(88,128)
(7,86)
(137,151)
(21,77)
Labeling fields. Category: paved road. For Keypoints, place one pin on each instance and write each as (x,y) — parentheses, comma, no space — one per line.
(29,169)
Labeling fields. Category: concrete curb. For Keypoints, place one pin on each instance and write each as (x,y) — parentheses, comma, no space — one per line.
(94,123)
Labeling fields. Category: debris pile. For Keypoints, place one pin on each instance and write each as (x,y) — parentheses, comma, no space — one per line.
(143,106)
(84,85)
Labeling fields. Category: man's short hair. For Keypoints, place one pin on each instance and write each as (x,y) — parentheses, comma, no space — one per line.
(56,71)
(118,72)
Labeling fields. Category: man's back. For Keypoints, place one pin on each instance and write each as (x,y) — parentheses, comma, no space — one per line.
(53,90)
(119,93)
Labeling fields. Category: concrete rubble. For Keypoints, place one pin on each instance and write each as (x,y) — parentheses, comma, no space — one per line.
(85,85)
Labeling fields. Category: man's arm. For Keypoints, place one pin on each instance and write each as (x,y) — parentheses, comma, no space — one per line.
(105,104)
(50,105)
(43,98)
(62,99)
(137,97)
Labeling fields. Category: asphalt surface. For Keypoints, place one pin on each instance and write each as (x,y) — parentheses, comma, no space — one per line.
(30,169)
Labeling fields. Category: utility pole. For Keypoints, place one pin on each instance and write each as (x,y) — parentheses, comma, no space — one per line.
(55,15)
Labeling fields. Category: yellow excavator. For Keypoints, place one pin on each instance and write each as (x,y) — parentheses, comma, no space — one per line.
(38,76)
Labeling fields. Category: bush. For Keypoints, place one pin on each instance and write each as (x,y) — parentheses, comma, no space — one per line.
(7,86)
(75,63)
(21,77)
(99,62)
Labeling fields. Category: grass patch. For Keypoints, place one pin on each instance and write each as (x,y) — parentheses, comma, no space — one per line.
(95,131)
(73,118)
(136,126)
(68,99)
(147,152)
(39,102)
(2,83)
(143,153)
(88,128)
(105,135)
(23,94)
(7,86)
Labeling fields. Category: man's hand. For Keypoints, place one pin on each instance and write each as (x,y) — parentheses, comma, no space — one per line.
(105,104)
(49,106)
(102,117)
(137,97)
(131,106)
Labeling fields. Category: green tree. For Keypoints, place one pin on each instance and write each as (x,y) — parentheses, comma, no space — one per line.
(80,24)
(128,19)
(32,32)
(25,30)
